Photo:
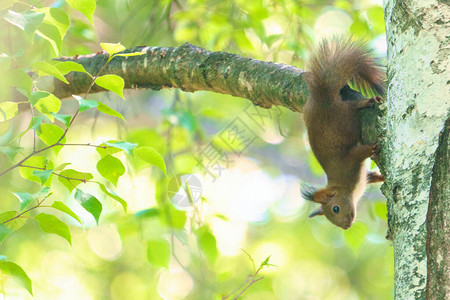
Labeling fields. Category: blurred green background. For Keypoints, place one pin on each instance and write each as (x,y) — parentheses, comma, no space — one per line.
(253,203)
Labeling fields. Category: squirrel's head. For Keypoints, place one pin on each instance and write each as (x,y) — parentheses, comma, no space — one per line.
(336,204)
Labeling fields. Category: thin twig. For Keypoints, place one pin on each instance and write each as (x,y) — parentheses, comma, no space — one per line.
(246,288)
(34,207)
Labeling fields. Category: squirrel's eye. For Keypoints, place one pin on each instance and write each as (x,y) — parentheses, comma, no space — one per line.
(336,209)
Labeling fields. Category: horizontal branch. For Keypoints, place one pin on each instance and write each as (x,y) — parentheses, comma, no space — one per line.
(192,68)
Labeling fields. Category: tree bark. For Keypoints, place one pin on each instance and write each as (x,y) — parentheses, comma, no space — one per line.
(415,147)
(192,68)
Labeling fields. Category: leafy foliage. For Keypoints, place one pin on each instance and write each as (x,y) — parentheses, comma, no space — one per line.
(67,163)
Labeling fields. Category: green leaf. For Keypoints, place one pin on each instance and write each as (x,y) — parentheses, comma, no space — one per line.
(27,21)
(35,122)
(14,224)
(4,232)
(51,224)
(85,104)
(90,203)
(112,83)
(51,34)
(207,243)
(112,48)
(8,110)
(151,156)
(24,198)
(110,168)
(17,273)
(66,67)
(158,252)
(10,151)
(130,54)
(39,162)
(177,217)
(46,103)
(109,111)
(56,17)
(147,213)
(65,209)
(75,178)
(50,134)
(61,167)
(86,7)
(113,195)
(63,118)
(43,175)
(125,146)
(43,68)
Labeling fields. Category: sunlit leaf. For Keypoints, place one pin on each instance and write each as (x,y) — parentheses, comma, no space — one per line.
(85,104)
(56,17)
(43,175)
(113,195)
(112,83)
(109,111)
(12,222)
(43,68)
(35,163)
(130,54)
(17,273)
(8,110)
(110,168)
(51,34)
(65,209)
(46,103)
(151,156)
(24,198)
(63,118)
(207,243)
(51,224)
(66,67)
(71,178)
(27,21)
(90,203)
(147,213)
(125,146)
(158,252)
(50,133)
(86,7)
(112,48)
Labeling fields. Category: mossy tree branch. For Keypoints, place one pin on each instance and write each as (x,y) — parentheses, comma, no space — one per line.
(191,69)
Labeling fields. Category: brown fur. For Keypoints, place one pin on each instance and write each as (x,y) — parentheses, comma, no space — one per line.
(333,125)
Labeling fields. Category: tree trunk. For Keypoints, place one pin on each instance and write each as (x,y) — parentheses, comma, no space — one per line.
(415,148)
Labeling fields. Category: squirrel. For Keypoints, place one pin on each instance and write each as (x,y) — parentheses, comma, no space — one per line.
(334,130)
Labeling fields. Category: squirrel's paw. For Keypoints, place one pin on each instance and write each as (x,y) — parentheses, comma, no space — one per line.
(375,100)
(373,177)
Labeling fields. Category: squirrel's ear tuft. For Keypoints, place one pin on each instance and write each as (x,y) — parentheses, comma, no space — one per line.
(308,192)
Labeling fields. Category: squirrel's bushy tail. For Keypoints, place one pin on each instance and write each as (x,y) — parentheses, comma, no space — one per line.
(339,61)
